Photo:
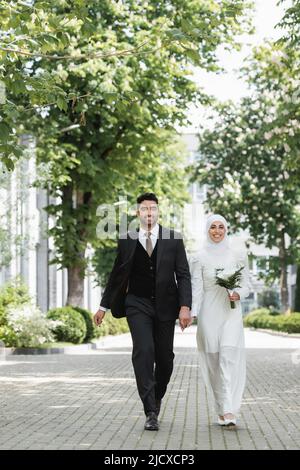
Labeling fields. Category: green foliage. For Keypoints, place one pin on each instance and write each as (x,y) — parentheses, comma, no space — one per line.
(12,294)
(247,180)
(285,323)
(73,328)
(46,45)
(269,269)
(229,282)
(88,318)
(112,326)
(259,311)
(8,336)
(103,93)
(103,260)
(253,152)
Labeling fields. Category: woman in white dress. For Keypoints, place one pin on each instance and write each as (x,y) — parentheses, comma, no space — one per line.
(220,334)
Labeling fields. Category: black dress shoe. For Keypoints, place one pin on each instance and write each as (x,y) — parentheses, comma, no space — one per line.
(157,403)
(151,423)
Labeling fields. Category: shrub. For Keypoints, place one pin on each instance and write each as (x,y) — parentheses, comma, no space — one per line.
(27,327)
(8,336)
(12,294)
(286,323)
(72,328)
(259,311)
(102,330)
(88,318)
(111,326)
(292,323)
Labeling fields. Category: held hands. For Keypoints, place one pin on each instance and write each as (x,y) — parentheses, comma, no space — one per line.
(185,317)
(98,317)
(234,296)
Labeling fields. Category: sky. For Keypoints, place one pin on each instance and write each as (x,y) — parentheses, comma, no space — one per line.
(229,86)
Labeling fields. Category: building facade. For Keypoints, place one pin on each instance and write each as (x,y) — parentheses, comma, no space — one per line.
(27,249)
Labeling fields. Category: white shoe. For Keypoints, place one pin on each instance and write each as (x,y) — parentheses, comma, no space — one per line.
(230,421)
(221,422)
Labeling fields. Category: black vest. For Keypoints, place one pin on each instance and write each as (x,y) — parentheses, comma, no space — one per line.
(143,273)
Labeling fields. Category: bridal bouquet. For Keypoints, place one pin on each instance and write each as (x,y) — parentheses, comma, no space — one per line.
(229,283)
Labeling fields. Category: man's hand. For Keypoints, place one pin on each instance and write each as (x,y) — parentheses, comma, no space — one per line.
(98,317)
(185,317)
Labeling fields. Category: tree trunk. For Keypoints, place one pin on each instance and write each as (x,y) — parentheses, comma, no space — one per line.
(283,275)
(74,200)
(297,293)
(75,286)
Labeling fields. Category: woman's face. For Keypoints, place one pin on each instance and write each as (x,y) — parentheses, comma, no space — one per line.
(217,231)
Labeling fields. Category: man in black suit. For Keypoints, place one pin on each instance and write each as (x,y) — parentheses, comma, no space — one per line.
(150,284)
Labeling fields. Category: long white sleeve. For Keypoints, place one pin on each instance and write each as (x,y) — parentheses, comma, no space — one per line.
(197,284)
(244,290)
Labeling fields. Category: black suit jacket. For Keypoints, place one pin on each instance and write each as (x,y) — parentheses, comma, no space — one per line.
(173,280)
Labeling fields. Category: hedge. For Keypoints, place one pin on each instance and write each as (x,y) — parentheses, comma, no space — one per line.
(286,323)
(90,327)
(111,326)
(73,328)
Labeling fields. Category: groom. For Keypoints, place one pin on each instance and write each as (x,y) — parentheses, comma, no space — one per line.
(150,284)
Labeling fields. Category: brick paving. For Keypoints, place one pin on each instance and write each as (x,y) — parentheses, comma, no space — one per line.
(90,401)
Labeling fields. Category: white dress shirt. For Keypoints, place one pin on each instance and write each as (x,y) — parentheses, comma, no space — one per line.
(142,239)
(154,236)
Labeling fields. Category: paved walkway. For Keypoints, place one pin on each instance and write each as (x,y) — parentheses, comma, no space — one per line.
(89,401)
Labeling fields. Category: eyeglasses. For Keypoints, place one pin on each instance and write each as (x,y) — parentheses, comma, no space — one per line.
(146,208)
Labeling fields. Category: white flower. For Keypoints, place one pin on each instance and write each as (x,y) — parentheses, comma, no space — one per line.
(268,135)
(31,326)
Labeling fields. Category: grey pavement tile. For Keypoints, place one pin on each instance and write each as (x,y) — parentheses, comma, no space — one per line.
(90,401)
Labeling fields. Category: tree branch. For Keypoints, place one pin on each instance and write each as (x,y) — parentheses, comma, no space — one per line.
(81,56)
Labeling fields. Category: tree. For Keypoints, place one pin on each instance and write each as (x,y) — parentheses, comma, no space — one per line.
(273,71)
(105,115)
(262,145)
(248,180)
(167,179)
(289,116)
(43,40)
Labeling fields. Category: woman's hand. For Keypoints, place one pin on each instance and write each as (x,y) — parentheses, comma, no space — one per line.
(234,296)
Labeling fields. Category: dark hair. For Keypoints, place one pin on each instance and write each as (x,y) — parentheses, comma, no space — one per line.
(147,197)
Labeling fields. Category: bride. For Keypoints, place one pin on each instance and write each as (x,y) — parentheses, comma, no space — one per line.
(220,334)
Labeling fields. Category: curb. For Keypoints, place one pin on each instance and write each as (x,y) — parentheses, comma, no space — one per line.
(102,342)
(276,333)
(40,351)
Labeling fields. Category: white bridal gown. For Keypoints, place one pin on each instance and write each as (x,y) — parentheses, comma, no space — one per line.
(220,334)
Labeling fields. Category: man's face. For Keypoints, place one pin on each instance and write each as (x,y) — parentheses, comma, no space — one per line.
(148,213)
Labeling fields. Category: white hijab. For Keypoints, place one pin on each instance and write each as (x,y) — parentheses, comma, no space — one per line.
(210,246)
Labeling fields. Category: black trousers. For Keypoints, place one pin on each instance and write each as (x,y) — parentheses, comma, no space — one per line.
(152,354)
